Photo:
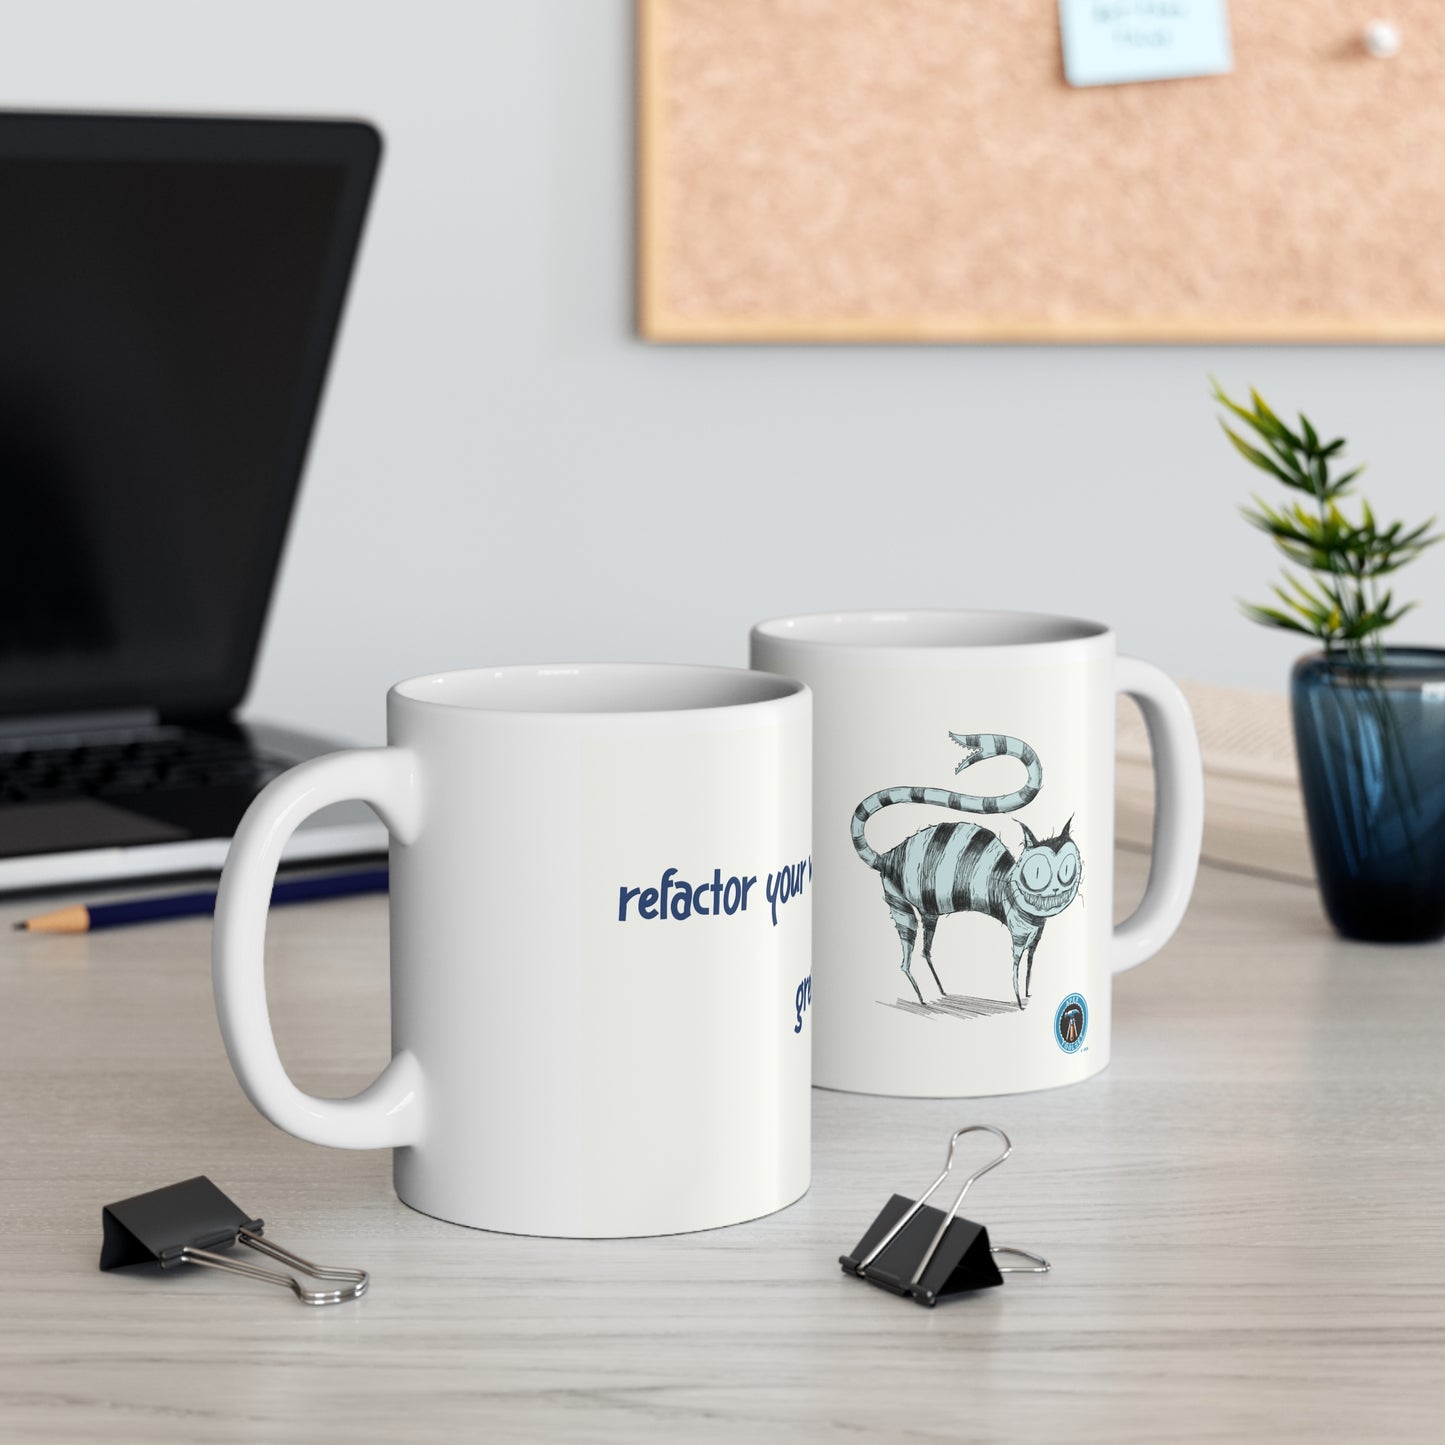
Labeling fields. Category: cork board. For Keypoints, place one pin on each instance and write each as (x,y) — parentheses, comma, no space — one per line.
(901,170)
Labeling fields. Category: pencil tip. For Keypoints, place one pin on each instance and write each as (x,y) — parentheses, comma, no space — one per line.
(20,927)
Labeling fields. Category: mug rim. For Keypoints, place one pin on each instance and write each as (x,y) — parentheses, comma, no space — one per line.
(1043,632)
(768,690)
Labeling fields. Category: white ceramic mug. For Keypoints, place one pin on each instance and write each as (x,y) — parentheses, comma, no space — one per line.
(964,838)
(597,966)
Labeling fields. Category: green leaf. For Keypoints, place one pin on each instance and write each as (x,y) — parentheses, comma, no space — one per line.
(1264,421)
(1410,538)
(1271,617)
(1245,415)
(1258,458)
(1322,597)
(1315,615)
(1268,421)
(1367,625)
(1288,458)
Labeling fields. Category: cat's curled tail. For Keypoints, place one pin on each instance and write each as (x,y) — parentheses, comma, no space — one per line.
(977,747)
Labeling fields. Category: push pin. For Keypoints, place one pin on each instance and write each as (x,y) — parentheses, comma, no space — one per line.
(1381,39)
(916,1250)
(187,1223)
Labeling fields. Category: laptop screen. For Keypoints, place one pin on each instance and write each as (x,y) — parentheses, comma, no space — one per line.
(169,291)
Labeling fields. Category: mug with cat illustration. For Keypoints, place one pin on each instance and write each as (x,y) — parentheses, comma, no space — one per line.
(963,940)
(601,886)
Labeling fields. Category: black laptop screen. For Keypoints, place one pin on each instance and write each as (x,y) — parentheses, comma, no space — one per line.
(164,327)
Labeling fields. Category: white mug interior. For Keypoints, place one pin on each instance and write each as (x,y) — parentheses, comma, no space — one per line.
(929,629)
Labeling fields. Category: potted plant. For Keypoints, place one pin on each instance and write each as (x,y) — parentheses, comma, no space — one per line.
(1369,719)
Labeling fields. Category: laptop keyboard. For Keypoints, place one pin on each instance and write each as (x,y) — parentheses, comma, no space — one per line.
(110,764)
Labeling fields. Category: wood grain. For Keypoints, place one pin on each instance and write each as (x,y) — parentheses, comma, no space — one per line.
(919,170)
(1244,1216)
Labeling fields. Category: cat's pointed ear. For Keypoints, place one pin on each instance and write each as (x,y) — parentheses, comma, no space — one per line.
(1029,840)
(1064,836)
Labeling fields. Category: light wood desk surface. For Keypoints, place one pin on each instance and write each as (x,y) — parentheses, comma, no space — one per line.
(1244,1215)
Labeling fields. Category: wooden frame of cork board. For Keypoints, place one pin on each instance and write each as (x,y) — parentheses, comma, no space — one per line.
(920,170)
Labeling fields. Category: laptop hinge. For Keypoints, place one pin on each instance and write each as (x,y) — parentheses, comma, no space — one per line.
(60,724)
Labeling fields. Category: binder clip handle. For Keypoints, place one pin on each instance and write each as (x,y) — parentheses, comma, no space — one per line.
(1039,1266)
(356,1280)
(922,1199)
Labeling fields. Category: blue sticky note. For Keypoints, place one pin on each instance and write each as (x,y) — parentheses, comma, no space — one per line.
(1111,42)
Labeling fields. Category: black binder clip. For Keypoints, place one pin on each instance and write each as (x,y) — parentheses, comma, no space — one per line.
(187,1223)
(916,1250)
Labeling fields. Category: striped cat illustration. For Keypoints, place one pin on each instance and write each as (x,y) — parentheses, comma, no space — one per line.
(964,868)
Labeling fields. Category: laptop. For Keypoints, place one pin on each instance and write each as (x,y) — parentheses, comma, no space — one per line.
(170,290)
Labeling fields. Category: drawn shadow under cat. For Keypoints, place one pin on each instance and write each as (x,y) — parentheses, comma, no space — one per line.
(954,1005)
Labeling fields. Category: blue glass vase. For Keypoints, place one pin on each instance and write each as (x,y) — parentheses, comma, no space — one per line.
(1371,745)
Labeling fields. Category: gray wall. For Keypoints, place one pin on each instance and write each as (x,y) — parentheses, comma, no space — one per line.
(503,472)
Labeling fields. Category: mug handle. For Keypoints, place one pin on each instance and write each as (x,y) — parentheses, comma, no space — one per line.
(1178,812)
(390,1112)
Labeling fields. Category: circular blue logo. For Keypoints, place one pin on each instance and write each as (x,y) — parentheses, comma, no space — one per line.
(1071,1023)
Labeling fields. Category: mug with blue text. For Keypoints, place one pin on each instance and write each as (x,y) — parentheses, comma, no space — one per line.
(963,837)
(601,883)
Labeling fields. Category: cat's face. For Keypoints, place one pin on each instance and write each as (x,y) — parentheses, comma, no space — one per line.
(1046,876)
